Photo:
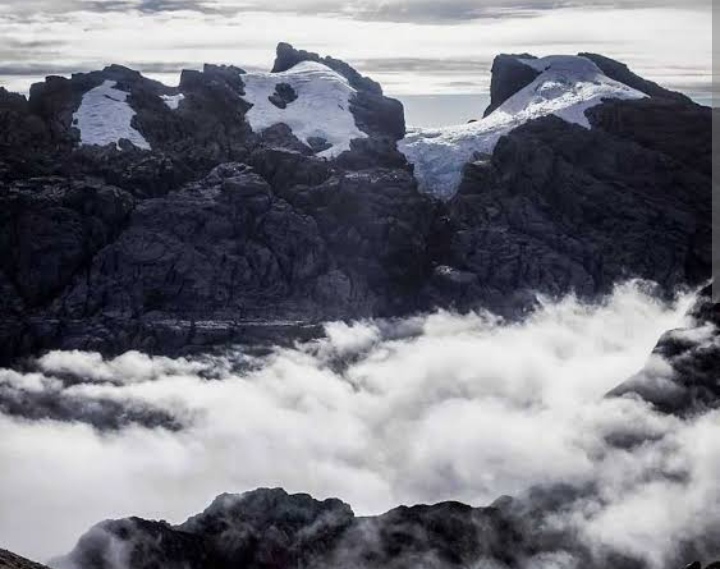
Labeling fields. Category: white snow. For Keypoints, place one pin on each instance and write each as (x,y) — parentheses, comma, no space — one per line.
(104,117)
(322,108)
(173,101)
(567,87)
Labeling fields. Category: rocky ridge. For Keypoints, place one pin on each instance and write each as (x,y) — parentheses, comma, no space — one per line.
(220,234)
(269,528)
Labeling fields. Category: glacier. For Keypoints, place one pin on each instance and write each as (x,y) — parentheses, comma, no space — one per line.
(321,110)
(104,117)
(567,87)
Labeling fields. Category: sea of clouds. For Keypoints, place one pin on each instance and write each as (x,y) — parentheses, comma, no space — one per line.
(377,413)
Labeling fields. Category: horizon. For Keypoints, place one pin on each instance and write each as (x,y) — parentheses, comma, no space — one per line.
(417,48)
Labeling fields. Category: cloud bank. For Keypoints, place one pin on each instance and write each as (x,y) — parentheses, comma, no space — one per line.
(379,414)
(406,11)
(442,43)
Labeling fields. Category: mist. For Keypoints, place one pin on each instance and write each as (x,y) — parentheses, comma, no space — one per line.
(377,413)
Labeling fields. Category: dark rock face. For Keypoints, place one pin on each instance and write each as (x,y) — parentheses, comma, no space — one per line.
(508,77)
(9,560)
(24,139)
(50,229)
(666,126)
(229,245)
(94,239)
(559,207)
(620,72)
(113,274)
(218,227)
(284,95)
(271,529)
(692,384)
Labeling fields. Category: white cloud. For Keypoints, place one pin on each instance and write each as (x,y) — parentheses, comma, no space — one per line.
(378,414)
(673,45)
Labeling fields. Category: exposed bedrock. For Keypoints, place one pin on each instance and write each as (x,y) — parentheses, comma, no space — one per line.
(218,234)
(272,529)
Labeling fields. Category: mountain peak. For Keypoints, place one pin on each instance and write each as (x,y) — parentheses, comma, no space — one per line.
(524,88)
(513,72)
(287,57)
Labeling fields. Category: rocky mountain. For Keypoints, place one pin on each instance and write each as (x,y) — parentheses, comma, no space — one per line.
(239,207)
(272,529)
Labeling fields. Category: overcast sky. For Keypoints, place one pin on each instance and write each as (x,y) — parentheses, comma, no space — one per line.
(411,46)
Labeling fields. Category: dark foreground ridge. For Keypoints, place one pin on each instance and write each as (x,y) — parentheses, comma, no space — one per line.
(272,529)
(220,234)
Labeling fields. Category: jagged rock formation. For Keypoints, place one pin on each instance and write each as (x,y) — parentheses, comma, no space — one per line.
(211,227)
(508,76)
(271,529)
(620,72)
(560,207)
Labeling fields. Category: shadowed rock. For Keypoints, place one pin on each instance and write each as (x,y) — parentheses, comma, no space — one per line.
(508,77)
(216,227)
(683,374)
(271,529)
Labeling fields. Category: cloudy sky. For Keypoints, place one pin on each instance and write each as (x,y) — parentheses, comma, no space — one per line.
(411,46)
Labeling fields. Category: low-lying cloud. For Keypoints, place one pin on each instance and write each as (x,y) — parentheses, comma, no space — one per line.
(379,414)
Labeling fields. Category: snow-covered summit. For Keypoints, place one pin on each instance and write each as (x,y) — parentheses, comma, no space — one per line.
(320,108)
(104,117)
(567,87)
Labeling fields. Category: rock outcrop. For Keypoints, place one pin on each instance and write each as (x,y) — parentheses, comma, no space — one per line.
(214,228)
(9,560)
(509,76)
(271,529)
(558,207)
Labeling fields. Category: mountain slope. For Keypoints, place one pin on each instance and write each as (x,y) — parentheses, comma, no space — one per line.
(272,529)
(255,199)
(563,86)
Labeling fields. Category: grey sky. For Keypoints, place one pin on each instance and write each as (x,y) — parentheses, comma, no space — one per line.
(411,46)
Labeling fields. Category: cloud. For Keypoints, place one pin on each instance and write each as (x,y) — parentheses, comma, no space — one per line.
(415,11)
(377,413)
(467,67)
(409,57)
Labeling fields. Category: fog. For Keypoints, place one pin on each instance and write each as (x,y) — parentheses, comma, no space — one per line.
(377,413)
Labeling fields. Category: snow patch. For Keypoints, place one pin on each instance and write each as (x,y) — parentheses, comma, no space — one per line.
(104,117)
(173,101)
(322,109)
(567,87)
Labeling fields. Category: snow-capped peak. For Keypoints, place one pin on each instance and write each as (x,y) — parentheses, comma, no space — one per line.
(567,87)
(104,117)
(321,109)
